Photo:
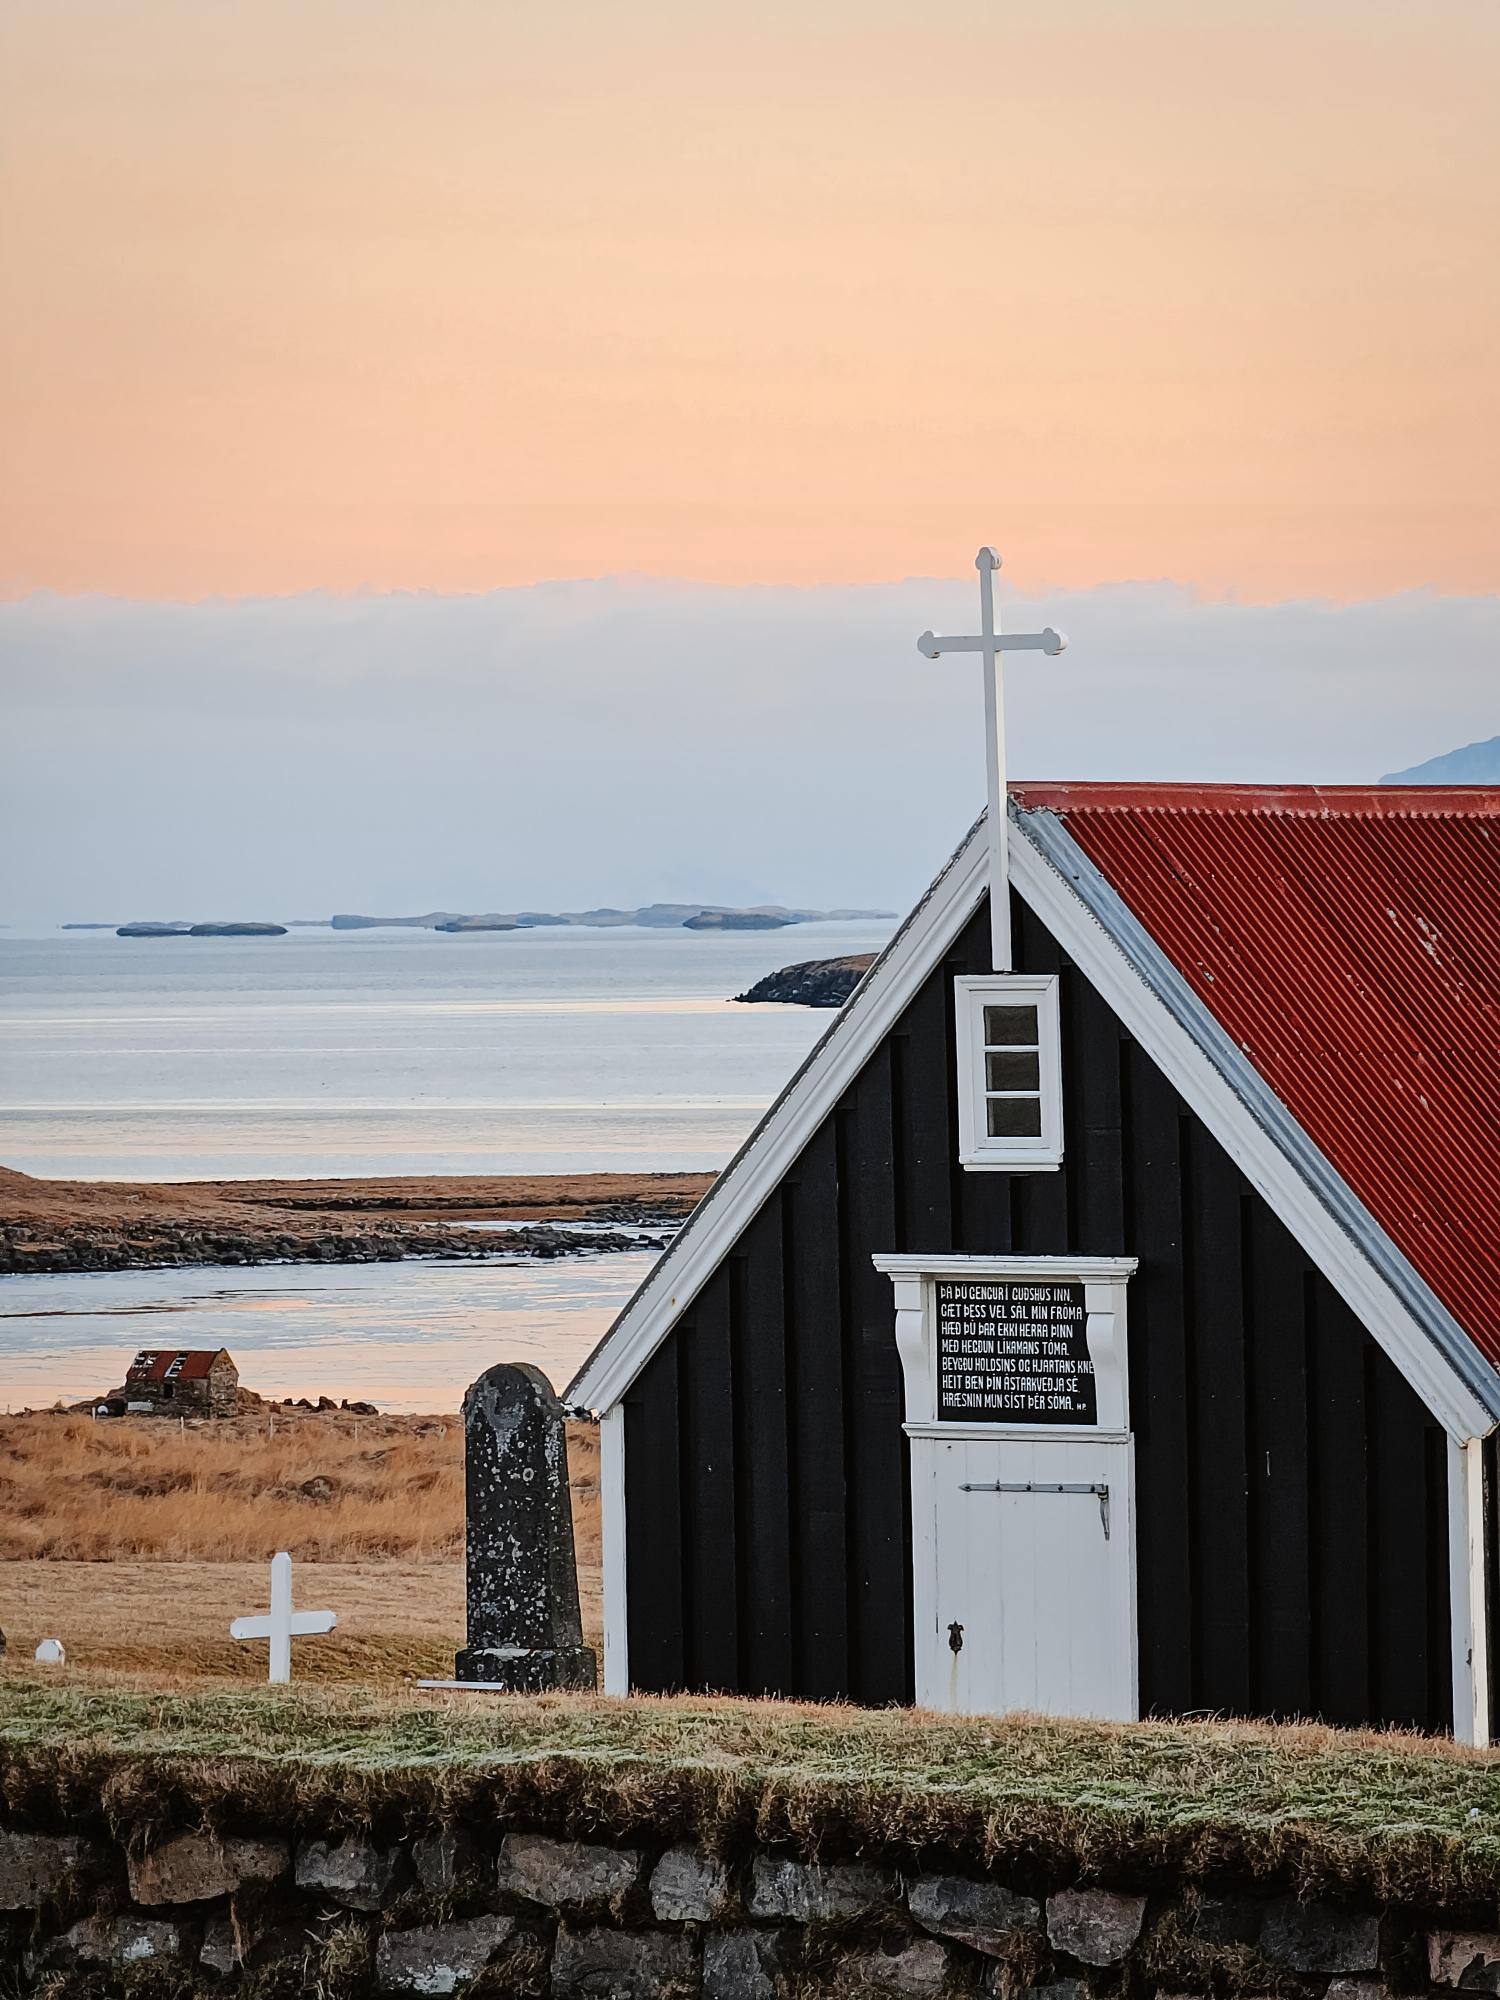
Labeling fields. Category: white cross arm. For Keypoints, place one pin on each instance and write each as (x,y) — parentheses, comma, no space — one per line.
(932,645)
(298,1625)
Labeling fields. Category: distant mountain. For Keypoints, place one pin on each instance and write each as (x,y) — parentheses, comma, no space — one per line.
(1474,764)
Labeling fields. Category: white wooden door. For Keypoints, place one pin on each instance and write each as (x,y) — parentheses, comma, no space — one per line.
(1035,1577)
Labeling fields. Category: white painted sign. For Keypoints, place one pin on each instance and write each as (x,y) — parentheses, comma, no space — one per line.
(282,1623)
(1012,1351)
(1022,1483)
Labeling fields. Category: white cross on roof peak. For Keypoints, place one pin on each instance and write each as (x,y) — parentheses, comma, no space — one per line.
(989,642)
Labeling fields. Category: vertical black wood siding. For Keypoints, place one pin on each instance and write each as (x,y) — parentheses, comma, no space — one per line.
(1291,1490)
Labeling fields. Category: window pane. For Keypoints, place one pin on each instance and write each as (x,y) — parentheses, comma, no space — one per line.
(1012,1070)
(1010,1027)
(1014,1117)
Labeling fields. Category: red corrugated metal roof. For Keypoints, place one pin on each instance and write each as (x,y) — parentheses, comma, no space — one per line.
(193,1364)
(1348,939)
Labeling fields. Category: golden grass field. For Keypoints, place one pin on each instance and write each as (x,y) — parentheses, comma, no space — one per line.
(137,1540)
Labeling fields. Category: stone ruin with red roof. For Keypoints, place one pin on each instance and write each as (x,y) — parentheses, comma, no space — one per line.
(184,1381)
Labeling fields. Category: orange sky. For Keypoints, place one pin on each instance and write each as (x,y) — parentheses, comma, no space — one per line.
(453,293)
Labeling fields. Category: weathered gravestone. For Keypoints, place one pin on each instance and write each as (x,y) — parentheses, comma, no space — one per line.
(524,1628)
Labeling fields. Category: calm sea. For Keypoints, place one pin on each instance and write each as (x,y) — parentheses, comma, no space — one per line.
(406,1336)
(371,1052)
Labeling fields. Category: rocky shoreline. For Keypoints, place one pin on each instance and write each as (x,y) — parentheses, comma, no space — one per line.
(22,1251)
(816,982)
(60,1226)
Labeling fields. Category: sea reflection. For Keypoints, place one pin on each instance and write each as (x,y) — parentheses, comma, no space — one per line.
(407,1336)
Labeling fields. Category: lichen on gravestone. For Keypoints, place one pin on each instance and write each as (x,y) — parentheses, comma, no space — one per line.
(525,1632)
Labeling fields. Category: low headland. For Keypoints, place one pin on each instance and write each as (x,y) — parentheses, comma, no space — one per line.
(816,982)
(61,1225)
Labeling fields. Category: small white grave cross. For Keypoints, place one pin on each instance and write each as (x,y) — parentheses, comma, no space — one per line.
(991,643)
(283,1621)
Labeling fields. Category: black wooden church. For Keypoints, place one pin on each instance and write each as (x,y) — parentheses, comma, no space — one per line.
(1114,1334)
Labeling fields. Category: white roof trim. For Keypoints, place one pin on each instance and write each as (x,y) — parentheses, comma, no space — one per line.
(854,1034)
(1214,1078)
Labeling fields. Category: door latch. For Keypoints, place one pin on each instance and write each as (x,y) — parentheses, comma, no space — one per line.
(955,1637)
(1099,1489)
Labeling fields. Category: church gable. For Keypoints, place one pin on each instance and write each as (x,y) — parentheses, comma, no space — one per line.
(768,1517)
(1081,1331)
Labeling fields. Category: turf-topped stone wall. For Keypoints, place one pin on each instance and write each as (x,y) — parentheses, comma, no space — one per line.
(156,1846)
(443,1912)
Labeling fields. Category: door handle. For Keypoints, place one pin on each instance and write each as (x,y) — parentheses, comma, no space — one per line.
(955,1637)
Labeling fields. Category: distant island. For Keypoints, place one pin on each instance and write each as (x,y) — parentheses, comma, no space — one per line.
(194,930)
(650,916)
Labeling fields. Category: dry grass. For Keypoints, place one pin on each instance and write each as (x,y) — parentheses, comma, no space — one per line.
(326,1487)
(327,1490)
(396,1620)
(136,1541)
(1395,1817)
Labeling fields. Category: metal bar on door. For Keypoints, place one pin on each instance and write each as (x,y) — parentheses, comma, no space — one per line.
(1100,1490)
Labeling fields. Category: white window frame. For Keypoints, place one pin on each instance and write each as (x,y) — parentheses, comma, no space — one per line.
(977,1151)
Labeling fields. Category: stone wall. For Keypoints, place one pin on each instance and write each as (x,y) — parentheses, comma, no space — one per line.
(447,1911)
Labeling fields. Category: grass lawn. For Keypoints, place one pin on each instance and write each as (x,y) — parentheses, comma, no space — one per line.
(1400,1817)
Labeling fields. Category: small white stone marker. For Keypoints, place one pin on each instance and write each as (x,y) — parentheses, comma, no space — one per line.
(283,1622)
(51,1653)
